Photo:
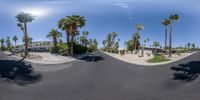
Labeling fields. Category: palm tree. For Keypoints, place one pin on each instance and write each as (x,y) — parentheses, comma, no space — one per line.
(172,18)
(142,51)
(136,40)
(74,22)
(54,34)
(193,46)
(15,38)
(23,19)
(64,25)
(2,44)
(188,45)
(166,23)
(85,34)
(8,42)
(82,39)
(104,44)
(156,44)
(136,35)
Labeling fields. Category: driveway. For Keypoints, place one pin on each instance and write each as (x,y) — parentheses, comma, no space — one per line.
(101,77)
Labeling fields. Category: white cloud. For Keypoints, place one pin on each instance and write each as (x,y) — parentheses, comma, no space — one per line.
(130,18)
(58,2)
(122,5)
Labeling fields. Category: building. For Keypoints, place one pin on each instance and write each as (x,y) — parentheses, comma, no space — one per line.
(39,46)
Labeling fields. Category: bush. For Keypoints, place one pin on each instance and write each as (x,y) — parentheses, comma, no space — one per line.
(92,48)
(79,49)
(158,58)
(53,50)
(63,49)
(3,48)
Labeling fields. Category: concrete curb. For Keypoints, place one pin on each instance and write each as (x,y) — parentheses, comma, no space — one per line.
(150,64)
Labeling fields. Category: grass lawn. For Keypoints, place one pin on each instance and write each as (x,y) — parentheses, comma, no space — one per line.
(158,58)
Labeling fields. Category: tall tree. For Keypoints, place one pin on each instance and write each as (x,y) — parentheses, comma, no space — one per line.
(64,25)
(172,18)
(156,44)
(142,50)
(82,40)
(95,43)
(23,19)
(110,43)
(104,44)
(136,41)
(188,45)
(2,44)
(130,45)
(193,46)
(55,35)
(74,22)
(166,23)
(15,38)
(8,43)
(85,34)
(136,35)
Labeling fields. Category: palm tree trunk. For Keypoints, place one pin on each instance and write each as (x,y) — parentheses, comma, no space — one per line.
(68,43)
(136,43)
(67,33)
(55,43)
(170,41)
(15,44)
(142,51)
(135,47)
(72,46)
(166,40)
(26,40)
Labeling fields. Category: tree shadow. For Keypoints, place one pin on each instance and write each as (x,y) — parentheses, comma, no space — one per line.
(18,71)
(188,72)
(91,58)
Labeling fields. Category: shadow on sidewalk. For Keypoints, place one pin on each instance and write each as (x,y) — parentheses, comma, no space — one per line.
(18,71)
(188,72)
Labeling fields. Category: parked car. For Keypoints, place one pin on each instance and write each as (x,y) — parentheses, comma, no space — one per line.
(12,68)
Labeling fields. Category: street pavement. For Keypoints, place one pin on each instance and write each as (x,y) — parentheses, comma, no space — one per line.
(101,77)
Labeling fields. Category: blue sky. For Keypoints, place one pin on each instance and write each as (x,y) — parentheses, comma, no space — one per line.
(105,16)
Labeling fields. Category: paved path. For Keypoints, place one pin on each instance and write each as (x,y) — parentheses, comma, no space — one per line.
(104,78)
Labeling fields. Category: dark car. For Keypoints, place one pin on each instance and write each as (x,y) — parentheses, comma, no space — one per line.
(12,68)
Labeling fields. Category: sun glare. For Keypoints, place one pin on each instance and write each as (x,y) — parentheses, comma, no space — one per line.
(36,12)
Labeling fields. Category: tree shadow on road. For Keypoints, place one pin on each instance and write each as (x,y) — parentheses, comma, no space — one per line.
(92,58)
(188,72)
(18,71)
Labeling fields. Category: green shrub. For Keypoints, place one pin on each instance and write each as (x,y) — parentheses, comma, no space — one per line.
(158,58)
(92,48)
(53,50)
(79,49)
(63,49)
(3,48)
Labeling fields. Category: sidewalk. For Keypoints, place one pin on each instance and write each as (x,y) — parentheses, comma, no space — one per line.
(134,59)
(48,58)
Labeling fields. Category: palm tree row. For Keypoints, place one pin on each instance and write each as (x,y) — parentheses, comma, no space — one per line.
(110,43)
(8,42)
(71,24)
(166,22)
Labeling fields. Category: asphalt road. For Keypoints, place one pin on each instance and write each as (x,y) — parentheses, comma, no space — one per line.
(104,78)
